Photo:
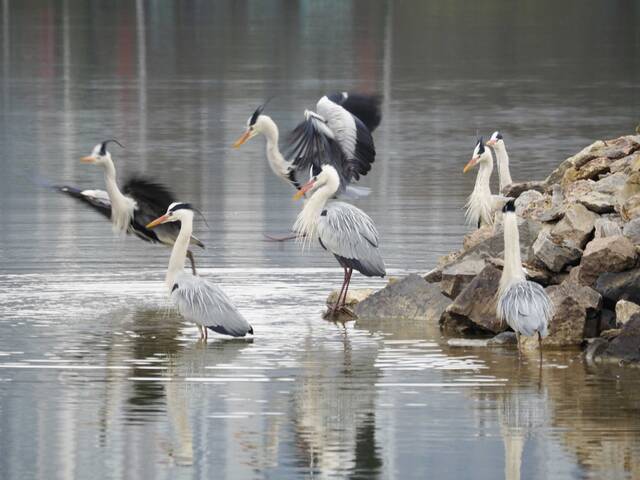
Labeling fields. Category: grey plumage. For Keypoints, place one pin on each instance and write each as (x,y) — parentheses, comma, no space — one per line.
(526,308)
(204,303)
(348,233)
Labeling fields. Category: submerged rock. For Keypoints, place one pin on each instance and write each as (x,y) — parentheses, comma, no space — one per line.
(504,338)
(575,307)
(411,298)
(626,346)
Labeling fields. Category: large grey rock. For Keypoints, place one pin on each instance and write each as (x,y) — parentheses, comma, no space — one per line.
(626,346)
(514,190)
(526,199)
(555,256)
(625,310)
(577,160)
(475,307)
(576,226)
(598,202)
(576,306)
(611,184)
(619,286)
(608,254)
(630,209)
(593,168)
(411,298)
(605,227)
(632,231)
(455,277)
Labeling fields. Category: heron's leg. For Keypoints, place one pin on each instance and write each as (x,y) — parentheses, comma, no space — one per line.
(206,332)
(193,262)
(336,305)
(346,288)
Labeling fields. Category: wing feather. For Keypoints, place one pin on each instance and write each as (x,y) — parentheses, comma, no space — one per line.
(526,308)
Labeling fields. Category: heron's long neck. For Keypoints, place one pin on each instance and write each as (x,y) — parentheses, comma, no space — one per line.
(482,187)
(512,270)
(276,160)
(307,221)
(121,206)
(179,251)
(504,174)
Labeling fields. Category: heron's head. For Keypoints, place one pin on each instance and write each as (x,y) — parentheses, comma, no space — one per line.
(495,140)
(100,155)
(177,211)
(510,206)
(320,177)
(257,123)
(480,154)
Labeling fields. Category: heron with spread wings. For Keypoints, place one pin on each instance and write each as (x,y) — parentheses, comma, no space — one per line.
(339,133)
(131,208)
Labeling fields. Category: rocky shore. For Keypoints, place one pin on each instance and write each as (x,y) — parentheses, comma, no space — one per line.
(580,239)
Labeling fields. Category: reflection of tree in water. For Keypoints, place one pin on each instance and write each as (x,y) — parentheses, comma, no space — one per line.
(334,418)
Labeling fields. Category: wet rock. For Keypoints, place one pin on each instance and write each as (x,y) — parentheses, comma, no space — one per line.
(410,298)
(611,333)
(475,306)
(455,277)
(605,227)
(353,296)
(619,286)
(514,190)
(555,256)
(595,348)
(632,231)
(631,208)
(576,226)
(608,254)
(525,199)
(598,202)
(575,306)
(625,310)
(626,346)
(504,338)
(467,342)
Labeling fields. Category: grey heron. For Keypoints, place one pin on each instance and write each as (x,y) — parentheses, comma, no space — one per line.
(482,204)
(131,208)
(342,229)
(522,304)
(342,125)
(198,300)
(504,174)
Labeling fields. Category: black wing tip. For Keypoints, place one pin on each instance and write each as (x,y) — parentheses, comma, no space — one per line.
(223,331)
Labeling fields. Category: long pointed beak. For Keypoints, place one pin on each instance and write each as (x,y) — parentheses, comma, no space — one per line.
(491,143)
(304,189)
(88,159)
(243,138)
(470,165)
(157,221)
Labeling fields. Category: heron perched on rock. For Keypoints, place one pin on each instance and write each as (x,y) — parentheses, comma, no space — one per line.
(339,133)
(130,209)
(342,229)
(502,158)
(482,205)
(198,300)
(522,304)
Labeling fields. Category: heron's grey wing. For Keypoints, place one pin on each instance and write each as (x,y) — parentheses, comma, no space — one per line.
(96,199)
(352,135)
(206,304)
(526,307)
(349,233)
(365,107)
(152,200)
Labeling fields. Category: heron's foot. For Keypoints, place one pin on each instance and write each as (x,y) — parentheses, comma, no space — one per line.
(284,238)
(339,313)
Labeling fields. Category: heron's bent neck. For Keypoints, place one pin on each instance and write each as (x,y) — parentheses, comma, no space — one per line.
(512,271)
(306,224)
(479,206)
(179,251)
(276,160)
(504,175)
(121,206)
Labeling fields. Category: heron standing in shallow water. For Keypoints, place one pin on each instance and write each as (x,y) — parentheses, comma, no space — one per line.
(198,300)
(523,304)
(342,229)
(139,202)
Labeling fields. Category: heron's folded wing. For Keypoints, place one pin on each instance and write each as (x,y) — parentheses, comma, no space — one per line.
(206,304)
(526,307)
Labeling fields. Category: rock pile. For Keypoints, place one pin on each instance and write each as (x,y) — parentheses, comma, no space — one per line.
(580,238)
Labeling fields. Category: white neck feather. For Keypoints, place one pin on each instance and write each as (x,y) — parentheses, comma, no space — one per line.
(479,205)
(512,271)
(121,206)
(504,175)
(306,224)
(179,251)
(276,160)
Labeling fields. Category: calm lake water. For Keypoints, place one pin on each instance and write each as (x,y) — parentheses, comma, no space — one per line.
(99,378)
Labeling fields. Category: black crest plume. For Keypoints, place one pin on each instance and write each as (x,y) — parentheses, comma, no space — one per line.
(103,147)
(256,114)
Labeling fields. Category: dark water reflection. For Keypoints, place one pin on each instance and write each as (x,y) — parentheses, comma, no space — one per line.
(99,378)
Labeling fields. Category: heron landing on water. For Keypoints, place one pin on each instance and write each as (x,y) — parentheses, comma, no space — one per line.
(131,208)
(342,229)
(522,304)
(198,300)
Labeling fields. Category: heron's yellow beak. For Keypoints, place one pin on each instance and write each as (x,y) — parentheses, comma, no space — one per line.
(157,221)
(471,164)
(491,143)
(304,189)
(243,138)
(88,159)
